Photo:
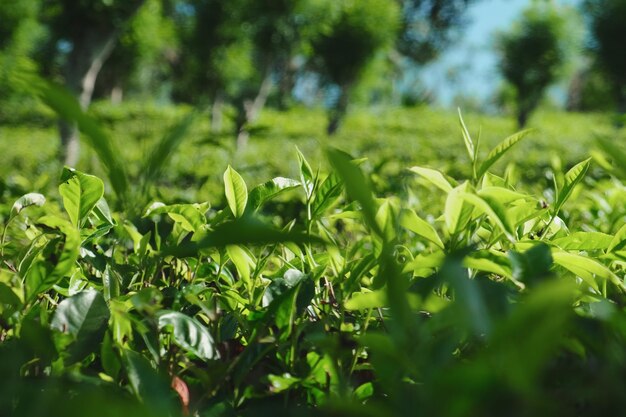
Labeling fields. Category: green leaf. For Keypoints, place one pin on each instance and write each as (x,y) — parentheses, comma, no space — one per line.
(103,212)
(356,186)
(306,175)
(149,386)
(40,278)
(500,194)
(326,194)
(189,334)
(8,297)
(490,261)
(81,315)
(494,210)
(190,216)
(434,176)
(281,383)
(286,297)
(572,178)
(619,240)
(457,211)
(586,268)
(366,300)
(469,145)
(502,148)
(411,221)
(27,200)
(81,193)
(110,283)
(236,192)
(617,154)
(386,219)
(242,261)
(425,262)
(268,190)
(587,241)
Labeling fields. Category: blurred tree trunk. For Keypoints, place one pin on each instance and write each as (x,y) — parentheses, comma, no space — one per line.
(83,65)
(251,110)
(287,83)
(337,114)
(92,33)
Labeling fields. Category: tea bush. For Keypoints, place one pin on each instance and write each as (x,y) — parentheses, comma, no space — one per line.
(330,290)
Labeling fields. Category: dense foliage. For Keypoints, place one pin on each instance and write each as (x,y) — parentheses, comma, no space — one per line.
(471,294)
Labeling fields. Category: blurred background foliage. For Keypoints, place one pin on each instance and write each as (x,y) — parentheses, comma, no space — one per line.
(242,63)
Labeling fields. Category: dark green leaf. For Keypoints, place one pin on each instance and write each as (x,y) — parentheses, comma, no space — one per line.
(189,334)
(81,315)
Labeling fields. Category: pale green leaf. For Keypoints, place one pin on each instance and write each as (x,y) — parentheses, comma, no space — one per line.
(457,212)
(494,210)
(619,240)
(236,191)
(434,176)
(586,268)
(27,200)
(584,241)
(190,216)
(268,190)
(572,178)
(411,221)
(469,145)
(497,152)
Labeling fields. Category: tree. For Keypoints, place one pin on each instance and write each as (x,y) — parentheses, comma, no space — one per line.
(232,51)
(140,64)
(355,32)
(428,26)
(213,54)
(607,20)
(531,56)
(83,34)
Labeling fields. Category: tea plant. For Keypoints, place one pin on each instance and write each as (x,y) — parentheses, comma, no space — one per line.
(481,299)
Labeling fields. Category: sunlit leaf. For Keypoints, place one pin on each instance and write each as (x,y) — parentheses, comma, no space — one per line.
(572,178)
(236,192)
(502,148)
(411,221)
(27,200)
(268,190)
(81,192)
(434,176)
